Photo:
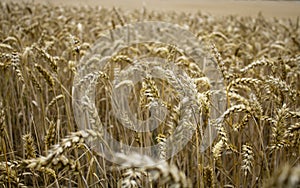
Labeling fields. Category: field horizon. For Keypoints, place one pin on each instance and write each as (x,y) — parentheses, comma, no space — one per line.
(269,9)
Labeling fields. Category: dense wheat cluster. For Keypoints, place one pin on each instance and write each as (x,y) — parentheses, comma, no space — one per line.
(41,145)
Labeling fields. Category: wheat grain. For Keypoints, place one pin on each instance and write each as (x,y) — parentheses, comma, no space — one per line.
(47,76)
(29,147)
(15,62)
(248,158)
(208,177)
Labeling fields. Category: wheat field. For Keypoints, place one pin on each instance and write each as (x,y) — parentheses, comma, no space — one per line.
(42,144)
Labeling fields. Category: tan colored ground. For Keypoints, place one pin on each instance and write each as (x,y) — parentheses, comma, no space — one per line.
(287,9)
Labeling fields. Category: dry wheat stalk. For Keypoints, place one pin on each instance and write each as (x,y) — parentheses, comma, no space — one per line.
(149,92)
(34,81)
(248,158)
(15,62)
(50,135)
(131,178)
(30,149)
(208,177)
(9,175)
(279,129)
(261,62)
(159,171)
(52,60)
(286,176)
(217,150)
(282,86)
(56,153)
(221,63)
(2,119)
(47,76)
(54,101)
(161,139)
(243,81)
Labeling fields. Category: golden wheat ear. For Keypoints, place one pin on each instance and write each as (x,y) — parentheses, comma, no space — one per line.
(157,171)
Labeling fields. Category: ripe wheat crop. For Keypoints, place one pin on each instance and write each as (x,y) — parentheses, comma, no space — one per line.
(41,145)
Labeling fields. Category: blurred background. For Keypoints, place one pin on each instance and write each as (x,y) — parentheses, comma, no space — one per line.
(287,9)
